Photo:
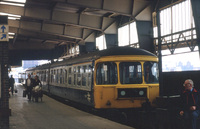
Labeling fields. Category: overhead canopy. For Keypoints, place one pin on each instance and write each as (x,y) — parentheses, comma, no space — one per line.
(47,25)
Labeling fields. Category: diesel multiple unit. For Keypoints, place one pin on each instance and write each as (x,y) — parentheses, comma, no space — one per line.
(118,77)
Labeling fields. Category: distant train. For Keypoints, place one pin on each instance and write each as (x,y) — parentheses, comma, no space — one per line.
(118,77)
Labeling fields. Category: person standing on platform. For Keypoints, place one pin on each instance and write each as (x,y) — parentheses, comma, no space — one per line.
(11,83)
(36,82)
(37,92)
(190,105)
(29,86)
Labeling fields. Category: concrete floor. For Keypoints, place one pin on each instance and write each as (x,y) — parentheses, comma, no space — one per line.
(51,114)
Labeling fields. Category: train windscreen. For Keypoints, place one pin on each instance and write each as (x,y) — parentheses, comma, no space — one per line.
(151,72)
(106,73)
(130,73)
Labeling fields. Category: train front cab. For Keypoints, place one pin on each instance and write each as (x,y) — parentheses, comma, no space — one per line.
(122,82)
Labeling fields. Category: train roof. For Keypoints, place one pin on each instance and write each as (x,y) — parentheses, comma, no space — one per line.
(98,54)
(123,51)
(107,52)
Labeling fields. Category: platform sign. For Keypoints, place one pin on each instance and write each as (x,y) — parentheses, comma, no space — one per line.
(4,28)
(4,32)
(4,37)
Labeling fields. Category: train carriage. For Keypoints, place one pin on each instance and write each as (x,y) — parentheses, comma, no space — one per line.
(118,77)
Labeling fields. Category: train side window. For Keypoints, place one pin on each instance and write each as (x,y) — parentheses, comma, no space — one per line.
(57,75)
(54,76)
(61,76)
(70,76)
(89,76)
(40,75)
(65,76)
(51,76)
(70,70)
(106,73)
(130,73)
(79,70)
(45,76)
(74,72)
(84,75)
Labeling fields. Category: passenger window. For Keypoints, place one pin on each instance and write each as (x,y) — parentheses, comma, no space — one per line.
(70,70)
(130,73)
(45,76)
(57,75)
(89,76)
(74,76)
(51,76)
(61,76)
(70,76)
(54,76)
(65,76)
(84,75)
(106,73)
(79,75)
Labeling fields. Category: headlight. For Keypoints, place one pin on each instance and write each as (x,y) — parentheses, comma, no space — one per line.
(123,93)
(141,93)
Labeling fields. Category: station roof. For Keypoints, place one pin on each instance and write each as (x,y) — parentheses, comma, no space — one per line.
(41,26)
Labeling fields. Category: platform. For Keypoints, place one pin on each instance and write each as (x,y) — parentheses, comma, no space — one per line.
(51,114)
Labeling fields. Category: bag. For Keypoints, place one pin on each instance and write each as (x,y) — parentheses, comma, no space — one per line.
(15,89)
(24,93)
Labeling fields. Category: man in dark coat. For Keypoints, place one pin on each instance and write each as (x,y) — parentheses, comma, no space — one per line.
(11,83)
(29,86)
(190,105)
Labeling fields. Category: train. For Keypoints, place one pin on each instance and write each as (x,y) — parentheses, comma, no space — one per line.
(114,78)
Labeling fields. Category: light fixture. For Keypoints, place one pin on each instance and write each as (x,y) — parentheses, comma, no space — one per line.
(18,1)
(15,4)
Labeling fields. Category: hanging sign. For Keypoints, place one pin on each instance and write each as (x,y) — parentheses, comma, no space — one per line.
(4,33)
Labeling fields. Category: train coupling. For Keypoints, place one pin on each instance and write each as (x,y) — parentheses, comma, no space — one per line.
(146,106)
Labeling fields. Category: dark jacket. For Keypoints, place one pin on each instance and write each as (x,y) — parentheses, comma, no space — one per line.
(11,82)
(36,83)
(190,98)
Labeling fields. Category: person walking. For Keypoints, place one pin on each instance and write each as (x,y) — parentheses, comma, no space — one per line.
(29,86)
(36,82)
(37,92)
(11,83)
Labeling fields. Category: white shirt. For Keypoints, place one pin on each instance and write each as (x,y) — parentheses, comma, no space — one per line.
(28,82)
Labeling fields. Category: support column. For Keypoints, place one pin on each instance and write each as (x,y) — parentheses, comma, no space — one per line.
(111,40)
(160,55)
(4,94)
(145,35)
(196,14)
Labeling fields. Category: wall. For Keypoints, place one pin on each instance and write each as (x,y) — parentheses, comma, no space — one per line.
(173,81)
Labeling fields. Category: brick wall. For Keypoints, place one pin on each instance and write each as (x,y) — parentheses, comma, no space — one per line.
(4,100)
